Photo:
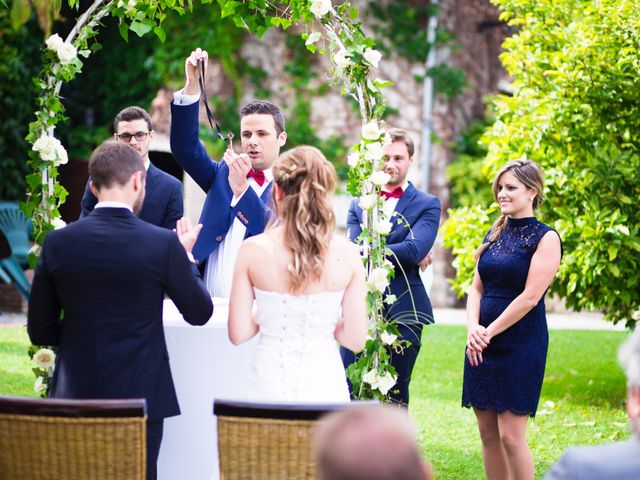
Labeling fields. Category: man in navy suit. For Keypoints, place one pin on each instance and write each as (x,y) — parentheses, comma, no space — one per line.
(410,241)
(613,461)
(98,293)
(163,198)
(238,188)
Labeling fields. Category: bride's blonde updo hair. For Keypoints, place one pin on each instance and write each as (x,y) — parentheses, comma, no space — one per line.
(307,179)
(526,171)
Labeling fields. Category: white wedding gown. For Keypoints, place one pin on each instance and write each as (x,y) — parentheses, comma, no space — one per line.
(297,357)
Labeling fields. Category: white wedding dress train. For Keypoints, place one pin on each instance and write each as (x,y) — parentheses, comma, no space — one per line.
(297,357)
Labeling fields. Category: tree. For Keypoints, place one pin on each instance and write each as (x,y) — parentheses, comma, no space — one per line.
(576,111)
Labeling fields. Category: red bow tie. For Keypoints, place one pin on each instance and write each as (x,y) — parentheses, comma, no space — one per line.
(257,175)
(396,193)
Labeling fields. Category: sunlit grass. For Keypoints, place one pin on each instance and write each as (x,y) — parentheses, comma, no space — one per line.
(582,397)
(581,402)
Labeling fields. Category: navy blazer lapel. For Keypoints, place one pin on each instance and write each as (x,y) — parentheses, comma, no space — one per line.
(151,181)
(401,206)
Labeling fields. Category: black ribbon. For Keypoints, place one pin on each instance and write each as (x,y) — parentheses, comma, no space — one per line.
(212,120)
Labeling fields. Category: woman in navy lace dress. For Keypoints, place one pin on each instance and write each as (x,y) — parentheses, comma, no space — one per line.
(507,329)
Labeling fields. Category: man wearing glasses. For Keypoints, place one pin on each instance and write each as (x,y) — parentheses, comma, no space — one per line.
(163,198)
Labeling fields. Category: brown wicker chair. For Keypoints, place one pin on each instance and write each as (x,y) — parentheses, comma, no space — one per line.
(268,441)
(72,439)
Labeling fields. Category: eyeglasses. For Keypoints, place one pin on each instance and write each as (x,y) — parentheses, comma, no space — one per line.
(126,137)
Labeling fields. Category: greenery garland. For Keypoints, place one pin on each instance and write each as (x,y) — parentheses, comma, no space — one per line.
(329,30)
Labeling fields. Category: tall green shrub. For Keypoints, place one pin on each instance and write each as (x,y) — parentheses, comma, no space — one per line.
(576,111)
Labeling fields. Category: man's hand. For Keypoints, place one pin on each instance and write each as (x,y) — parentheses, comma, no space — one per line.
(239,166)
(426,261)
(187,234)
(192,87)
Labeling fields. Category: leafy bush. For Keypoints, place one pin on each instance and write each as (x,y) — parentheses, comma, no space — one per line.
(20,61)
(576,111)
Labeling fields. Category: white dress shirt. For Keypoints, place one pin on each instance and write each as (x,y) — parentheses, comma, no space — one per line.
(113,205)
(218,273)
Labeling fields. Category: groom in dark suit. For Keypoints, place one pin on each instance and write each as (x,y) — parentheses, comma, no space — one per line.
(238,188)
(410,241)
(98,292)
(163,193)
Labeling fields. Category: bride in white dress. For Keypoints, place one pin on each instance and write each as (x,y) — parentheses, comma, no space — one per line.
(309,286)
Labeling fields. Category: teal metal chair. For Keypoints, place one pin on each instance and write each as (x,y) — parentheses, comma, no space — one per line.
(15,227)
(10,270)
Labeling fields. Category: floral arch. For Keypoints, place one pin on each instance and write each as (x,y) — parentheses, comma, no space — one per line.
(329,30)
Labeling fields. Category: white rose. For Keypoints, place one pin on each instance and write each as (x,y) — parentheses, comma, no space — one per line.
(58,223)
(372,57)
(371,130)
(367,202)
(131,4)
(388,338)
(385,382)
(390,299)
(635,315)
(54,42)
(46,146)
(374,151)
(320,7)
(387,140)
(382,226)
(380,178)
(67,53)
(61,154)
(378,279)
(45,358)
(353,159)
(340,58)
(39,386)
(371,377)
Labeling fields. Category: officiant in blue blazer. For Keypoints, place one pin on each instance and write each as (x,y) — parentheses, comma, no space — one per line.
(98,292)
(163,198)
(415,226)
(238,188)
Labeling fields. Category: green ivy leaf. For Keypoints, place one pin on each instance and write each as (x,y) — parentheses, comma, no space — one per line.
(140,28)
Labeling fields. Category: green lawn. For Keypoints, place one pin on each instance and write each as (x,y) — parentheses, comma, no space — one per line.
(581,402)
(582,397)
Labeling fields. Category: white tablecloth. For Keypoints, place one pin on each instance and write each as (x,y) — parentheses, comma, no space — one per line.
(205,365)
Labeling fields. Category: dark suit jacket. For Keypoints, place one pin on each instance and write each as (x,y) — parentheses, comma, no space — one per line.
(213,177)
(614,461)
(422,212)
(97,294)
(162,199)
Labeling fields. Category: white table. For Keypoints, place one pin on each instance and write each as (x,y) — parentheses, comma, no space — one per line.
(205,365)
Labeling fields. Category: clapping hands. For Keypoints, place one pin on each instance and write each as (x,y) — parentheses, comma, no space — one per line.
(478,339)
(239,166)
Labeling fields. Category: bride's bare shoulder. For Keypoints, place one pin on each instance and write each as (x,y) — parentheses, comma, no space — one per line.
(344,247)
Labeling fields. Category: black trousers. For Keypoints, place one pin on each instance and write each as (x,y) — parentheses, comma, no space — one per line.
(154,439)
(402,362)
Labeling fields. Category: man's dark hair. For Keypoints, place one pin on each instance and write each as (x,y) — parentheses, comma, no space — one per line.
(130,114)
(114,163)
(265,108)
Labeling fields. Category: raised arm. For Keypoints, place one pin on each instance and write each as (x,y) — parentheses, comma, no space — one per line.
(416,245)
(185,287)
(242,324)
(185,142)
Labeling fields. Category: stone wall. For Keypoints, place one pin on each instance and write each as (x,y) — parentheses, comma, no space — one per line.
(478,37)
